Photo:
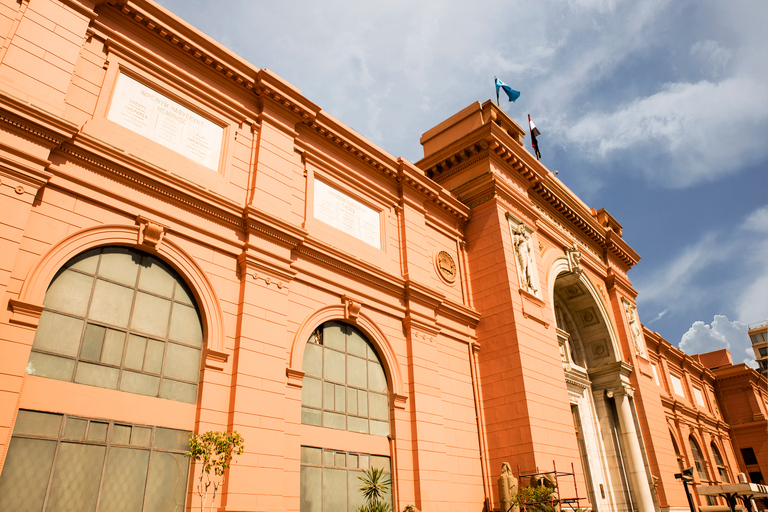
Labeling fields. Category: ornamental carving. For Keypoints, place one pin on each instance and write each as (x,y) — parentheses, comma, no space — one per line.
(526,261)
(635,329)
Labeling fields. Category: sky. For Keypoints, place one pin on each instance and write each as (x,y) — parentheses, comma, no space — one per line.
(656,111)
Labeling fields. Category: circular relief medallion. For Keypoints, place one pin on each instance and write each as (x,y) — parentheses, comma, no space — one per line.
(446,266)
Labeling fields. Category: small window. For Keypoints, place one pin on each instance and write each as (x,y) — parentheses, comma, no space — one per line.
(699,397)
(698,459)
(344,385)
(329,479)
(721,467)
(71,463)
(120,319)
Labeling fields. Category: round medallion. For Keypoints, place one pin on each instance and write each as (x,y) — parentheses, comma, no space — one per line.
(446,266)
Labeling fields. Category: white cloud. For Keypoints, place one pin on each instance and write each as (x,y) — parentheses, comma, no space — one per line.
(722,333)
(712,55)
(659,316)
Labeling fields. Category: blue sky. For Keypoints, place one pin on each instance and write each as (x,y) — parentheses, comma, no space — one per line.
(655,110)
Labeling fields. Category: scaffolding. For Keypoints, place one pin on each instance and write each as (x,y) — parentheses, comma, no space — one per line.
(559,502)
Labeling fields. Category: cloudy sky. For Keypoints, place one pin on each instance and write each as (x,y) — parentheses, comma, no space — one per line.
(655,110)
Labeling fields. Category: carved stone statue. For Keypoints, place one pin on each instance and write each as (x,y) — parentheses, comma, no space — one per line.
(548,480)
(507,488)
(634,327)
(524,250)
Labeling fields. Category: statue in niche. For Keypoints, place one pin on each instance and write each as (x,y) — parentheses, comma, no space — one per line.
(507,488)
(574,259)
(524,249)
(634,327)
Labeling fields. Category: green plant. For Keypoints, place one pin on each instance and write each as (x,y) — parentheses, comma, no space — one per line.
(536,498)
(375,486)
(215,451)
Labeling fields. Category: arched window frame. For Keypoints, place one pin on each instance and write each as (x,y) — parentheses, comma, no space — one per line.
(722,468)
(698,458)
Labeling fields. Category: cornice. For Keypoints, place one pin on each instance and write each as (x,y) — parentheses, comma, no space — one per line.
(287,234)
(33,122)
(118,165)
(465,315)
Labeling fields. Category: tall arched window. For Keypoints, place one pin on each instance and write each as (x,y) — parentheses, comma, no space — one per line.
(344,388)
(678,456)
(698,460)
(344,385)
(118,318)
(722,469)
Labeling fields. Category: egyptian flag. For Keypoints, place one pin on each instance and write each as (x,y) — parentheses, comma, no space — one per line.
(534,133)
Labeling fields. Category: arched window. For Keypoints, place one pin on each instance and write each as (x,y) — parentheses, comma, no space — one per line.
(722,469)
(121,319)
(344,385)
(678,456)
(698,460)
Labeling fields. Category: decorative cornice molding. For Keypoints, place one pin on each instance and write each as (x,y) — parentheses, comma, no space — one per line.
(215,360)
(25,313)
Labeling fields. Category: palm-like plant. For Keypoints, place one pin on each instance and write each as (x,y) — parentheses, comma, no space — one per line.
(375,486)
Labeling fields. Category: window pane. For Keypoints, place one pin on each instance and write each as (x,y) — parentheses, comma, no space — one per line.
(185,326)
(170,439)
(92,342)
(139,383)
(334,489)
(180,391)
(356,344)
(150,314)
(134,354)
(113,347)
(182,362)
(155,278)
(311,416)
(75,429)
(124,480)
(141,436)
(85,262)
(97,431)
(341,398)
(334,335)
(351,401)
(182,294)
(119,264)
(76,478)
(58,333)
(333,420)
(167,482)
(28,461)
(379,406)
(312,393)
(311,489)
(38,423)
(95,375)
(356,499)
(362,403)
(333,366)
(377,381)
(311,455)
(153,359)
(121,434)
(340,460)
(313,360)
(329,395)
(69,293)
(111,304)
(379,428)
(356,424)
(53,367)
(356,372)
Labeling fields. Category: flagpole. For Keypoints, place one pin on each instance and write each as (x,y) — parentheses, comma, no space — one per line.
(497,90)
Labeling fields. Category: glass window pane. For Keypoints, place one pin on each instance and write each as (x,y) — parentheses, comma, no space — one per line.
(341,460)
(76,478)
(352,460)
(183,294)
(150,314)
(356,424)
(356,499)
(153,359)
(134,354)
(155,278)
(311,489)
(53,367)
(141,436)
(97,431)
(334,489)
(362,403)
(312,456)
(333,420)
(356,372)
(58,333)
(311,416)
(341,398)
(334,335)
(113,347)
(312,393)
(185,326)
(111,304)
(28,461)
(96,375)
(139,383)
(380,463)
(75,428)
(379,406)
(38,423)
(69,293)
(180,391)
(121,434)
(170,439)
(167,482)
(328,457)
(379,428)
(124,480)
(119,264)
(92,342)
(85,262)
(333,366)
(356,344)
(182,362)
(377,381)
(313,360)
(329,395)
(351,401)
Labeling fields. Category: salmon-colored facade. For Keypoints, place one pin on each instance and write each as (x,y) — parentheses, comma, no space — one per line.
(435,318)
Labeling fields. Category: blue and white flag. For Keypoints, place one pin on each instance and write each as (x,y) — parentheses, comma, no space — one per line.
(510,92)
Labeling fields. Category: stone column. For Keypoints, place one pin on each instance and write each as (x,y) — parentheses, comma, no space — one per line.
(634,456)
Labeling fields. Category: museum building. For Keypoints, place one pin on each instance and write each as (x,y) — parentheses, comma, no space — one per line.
(188,244)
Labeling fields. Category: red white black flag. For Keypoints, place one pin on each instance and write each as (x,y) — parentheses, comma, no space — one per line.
(534,133)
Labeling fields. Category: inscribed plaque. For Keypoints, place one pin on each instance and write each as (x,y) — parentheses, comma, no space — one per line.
(344,213)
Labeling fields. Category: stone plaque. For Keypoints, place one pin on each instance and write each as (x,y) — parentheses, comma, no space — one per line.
(148,113)
(344,213)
